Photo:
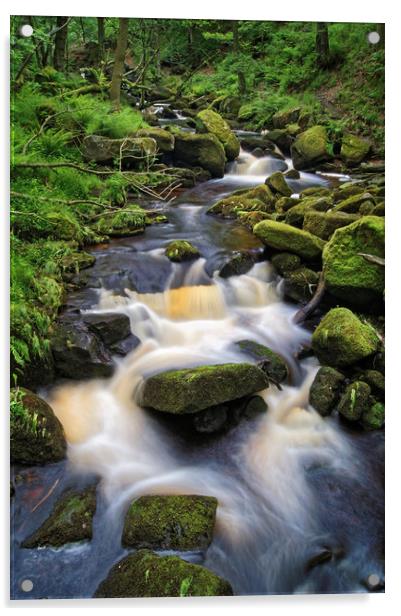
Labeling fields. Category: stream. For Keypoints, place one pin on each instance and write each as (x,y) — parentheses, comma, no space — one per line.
(290,484)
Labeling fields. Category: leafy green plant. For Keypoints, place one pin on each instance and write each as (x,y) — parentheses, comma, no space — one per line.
(185,586)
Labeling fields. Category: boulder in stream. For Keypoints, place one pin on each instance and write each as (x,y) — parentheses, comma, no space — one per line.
(311,148)
(276,181)
(173,522)
(325,390)
(324,224)
(300,284)
(354,149)
(240,263)
(372,418)
(208,121)
(164,139)
(36,435)
(281,236)
(194,389)
(355,401)
(206,151)
(181,250)
(129,220)
(145,574)
(274,365)
(132,150)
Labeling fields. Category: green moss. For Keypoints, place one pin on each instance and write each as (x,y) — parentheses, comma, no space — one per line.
(284,117)
(284,204)
(275,366)
(144,574)
(353,203)
(296,215)
(195,389)
(375,380)
(129,220)
(164,139)
(300,284)
(325,390)
(182,522)
(211,122)
(181,250)
(341,339)
(250,219)
(354,149)
(281,236)
(324,224)
(276,181)
(69,522)
(285,262)
(258,199)
(355,401)
(204,151)
(311,148)
(348,275)
(373,417)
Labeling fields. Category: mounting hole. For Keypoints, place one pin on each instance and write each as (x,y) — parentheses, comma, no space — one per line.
(27,585)
(373,38)
(26,30)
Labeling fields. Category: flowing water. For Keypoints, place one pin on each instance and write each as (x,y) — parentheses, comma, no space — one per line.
(289,483)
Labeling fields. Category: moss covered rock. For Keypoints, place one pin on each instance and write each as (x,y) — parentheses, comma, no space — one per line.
(204,151)
(373,417)
(250,219)
(353,203)
(355,401)
(325,390)
(349,275)
(36,435)
(283,204)
(341,339)
(181,250)
(164,139)
(354,149)
(300,284)
(182,522)
(311,148)
(134,150)
(209,121)
(239,264)
(375,380)
(259,199)
(281,236)
(129,220)
(274,365)
(145,574)
(194,389)
(295,216)
(288,116)
(324,224)
(285,262)
(76,261)
(69,522)
(276,181)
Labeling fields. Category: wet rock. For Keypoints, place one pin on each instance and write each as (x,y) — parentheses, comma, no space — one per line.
(292,174)
(164,139)
(129,220)
(76,261)
(324,224)
(254,407)
(36,435)
(375,380)
(374,582)
(259,198)
(323,555)
(258,152)
(125,346)
(132,150)
(353,204)
(341,339)
(281,138)
(282,118)
(239,264)
(283,204)
(111,327)
(194,389)
(276,368)
(325,390)
(211,420)
(379,210)
(181,522)
(203,150)
(295,216)
(145,574)
(315,191)
(260,142)
(277,183)
(181,250)
(354,149)
(208,121)
(285,262)
(300,284)
(281,236)
(250,219)
(372,418)
(354,401)
(348,275)
(311,148)
(69,522)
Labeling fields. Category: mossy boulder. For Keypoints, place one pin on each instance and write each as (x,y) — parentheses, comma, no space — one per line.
(353,203)
(181,250)
(283,204)
(129,220)
(36,435)
(283,237)
(69,522)
(373,417)
(300,284)
(324,224)
(240,263)
(111,327)
(281,138)
(208,121)
(354,149)
(132,150)
(311,148)
(204,151)
(276,181)
(325,390)
(181,522)
(145,574)
(274,365)
(76,261)
(355,401)
(194,389)
(342,339)
(258,199)
(285,262)
(250,219)
(164,139)
(295,215)
(349,276)
(315,191)
(288,116)
(375,380)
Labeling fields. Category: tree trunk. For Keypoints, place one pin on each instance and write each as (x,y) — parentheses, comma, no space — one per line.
(100,37)
(60,43)
(236,50)
(381,31)
(118,68)
(322,44)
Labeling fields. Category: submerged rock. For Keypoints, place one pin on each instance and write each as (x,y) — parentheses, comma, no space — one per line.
(181,250)
(274,365)
(177,522)
(355,401)
(280,236)
(194,389)
(239,264)
(311,148)
(204,151)
(347,273)
(325,390)
(69,522)
(341,339)
(36,435)
(208,121)
(145,574)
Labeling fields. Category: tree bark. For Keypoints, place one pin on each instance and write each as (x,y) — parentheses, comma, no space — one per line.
(60,43)
(236,50)
(118,68)
(100,37)
(322,44)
